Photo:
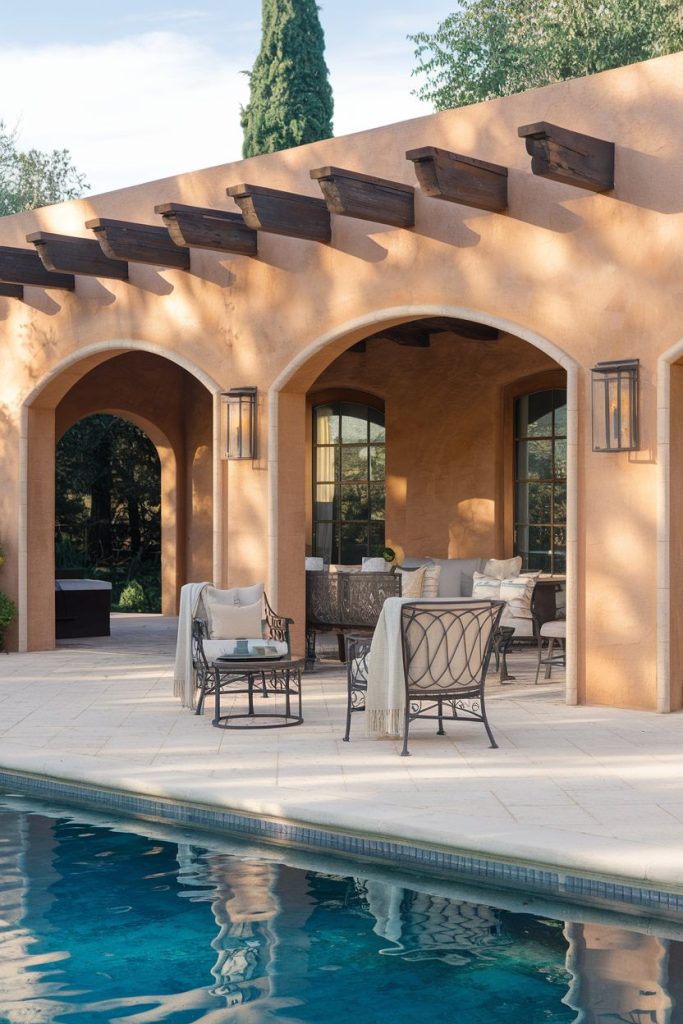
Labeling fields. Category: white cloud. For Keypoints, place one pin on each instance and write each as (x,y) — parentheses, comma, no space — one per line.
(157,104)
(129,111)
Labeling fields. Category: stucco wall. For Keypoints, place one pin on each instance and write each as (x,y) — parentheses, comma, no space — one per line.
(446,443)
(584,276)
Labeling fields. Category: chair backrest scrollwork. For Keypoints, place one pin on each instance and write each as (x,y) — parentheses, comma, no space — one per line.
(447,647)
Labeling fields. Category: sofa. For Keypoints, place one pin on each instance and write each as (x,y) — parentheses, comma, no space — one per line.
(530,600)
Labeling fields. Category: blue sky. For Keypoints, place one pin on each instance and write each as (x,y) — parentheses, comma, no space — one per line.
(142,90)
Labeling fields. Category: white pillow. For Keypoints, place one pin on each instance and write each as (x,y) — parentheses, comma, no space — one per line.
(314,563)
(517,591)
(374,565)
(503,568)
(234,621)
(485,587)
(411,582)
(430,581)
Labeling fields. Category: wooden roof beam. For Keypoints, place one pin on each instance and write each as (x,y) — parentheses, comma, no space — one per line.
(202,228)
(282,213)
(74,255)
(569,157)
(24,266)
(460,179)
(11,291)
(138,243)
(350,194)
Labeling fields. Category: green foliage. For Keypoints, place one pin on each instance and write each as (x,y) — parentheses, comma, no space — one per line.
(491,48)
(33,178)
(8,611)
(290,96)
(132,598)
(108,503)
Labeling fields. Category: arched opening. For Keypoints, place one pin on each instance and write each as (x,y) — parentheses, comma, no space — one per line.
(179,415)
(108,510)
(453,391)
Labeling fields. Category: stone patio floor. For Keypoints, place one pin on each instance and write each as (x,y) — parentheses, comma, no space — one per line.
(590,788)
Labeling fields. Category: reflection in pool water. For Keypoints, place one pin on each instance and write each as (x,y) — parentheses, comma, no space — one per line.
(99,924)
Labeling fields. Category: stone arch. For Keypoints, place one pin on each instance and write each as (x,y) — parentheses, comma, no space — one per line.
(38,435)
(286,415)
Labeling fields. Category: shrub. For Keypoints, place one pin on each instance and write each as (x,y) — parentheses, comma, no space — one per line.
(8,611)
(132,598)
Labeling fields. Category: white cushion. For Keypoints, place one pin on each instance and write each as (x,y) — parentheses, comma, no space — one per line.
(374,565)
(503,568)
(411,582)
(516,591)
(430,581)
(485,587)
(219,648)
(314,564)
(556,628)
(233,621)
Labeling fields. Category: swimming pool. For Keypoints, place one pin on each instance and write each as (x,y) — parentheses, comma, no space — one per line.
(106,920)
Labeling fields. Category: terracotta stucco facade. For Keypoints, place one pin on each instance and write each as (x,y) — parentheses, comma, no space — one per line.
(569,277)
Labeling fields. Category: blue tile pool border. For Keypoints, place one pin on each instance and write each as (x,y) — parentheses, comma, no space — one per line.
(449,864)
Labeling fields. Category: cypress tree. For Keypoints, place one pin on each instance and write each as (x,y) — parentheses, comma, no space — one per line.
(290,96)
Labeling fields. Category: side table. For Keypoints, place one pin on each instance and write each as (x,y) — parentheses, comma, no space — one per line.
(269,679)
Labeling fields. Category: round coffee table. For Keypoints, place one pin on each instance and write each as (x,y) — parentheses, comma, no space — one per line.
(274,680)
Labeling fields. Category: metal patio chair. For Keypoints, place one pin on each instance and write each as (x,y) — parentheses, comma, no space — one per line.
(274,629)
(446,652)
(357,653)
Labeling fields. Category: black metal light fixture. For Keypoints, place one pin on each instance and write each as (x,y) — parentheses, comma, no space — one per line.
(615,406)
(241,423)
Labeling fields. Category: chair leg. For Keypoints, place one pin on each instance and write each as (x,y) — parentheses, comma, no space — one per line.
(406,724)
(549,663)
(348,716)
(538,663)
(441,731)
(202,695)
(486,725)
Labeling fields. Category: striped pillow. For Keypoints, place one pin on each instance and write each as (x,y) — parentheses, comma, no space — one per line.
(430,581)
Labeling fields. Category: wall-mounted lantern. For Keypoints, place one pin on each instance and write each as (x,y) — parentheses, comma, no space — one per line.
(615,406)
(240,405)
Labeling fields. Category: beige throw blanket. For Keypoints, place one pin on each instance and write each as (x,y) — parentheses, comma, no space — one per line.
(183,678)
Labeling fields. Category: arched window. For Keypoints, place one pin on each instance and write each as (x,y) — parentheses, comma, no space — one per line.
(540,526)
(348,482)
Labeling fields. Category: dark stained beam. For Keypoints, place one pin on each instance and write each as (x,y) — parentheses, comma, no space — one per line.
(410,337)
(418,333)
(208,229)
(11,291)
(76,256)
(24,266)
(349,194)
(463,328)
(138,243)
(569,157)
(282,213)
(460,179)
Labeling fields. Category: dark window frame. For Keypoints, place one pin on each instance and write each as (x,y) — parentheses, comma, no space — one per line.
(375,528)
(555,562)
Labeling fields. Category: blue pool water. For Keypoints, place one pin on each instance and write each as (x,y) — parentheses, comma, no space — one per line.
(100,923)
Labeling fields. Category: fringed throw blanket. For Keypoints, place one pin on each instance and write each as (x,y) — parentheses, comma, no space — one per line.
(386,697)
(184,681)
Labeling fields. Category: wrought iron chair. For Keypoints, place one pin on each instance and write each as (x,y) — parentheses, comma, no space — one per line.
(357,652)
(446,652)
(275,630)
